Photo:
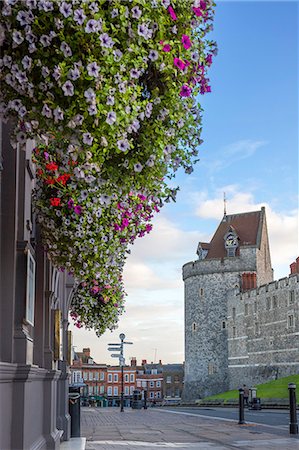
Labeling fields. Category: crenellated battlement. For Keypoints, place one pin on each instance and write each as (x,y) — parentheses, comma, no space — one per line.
(292,281)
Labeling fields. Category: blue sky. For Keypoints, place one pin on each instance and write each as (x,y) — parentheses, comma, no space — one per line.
(250,151)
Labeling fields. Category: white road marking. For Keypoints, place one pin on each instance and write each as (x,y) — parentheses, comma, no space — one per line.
(282,427)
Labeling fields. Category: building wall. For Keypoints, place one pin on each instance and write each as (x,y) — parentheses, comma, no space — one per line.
(265,345)
(29,372)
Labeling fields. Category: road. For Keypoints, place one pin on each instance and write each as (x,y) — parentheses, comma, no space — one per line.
(276,418)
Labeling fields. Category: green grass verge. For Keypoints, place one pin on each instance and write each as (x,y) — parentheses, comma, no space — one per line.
(272,389)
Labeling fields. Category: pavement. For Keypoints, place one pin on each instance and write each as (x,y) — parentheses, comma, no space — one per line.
(158,428)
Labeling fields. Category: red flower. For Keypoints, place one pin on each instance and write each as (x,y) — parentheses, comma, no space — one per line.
(52,166)
(55,201)
(39,172)
(50,180)
(63,178)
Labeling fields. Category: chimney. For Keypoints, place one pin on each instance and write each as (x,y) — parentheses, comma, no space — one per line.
(293,268)
(143,362)
(133,361)
(86,352)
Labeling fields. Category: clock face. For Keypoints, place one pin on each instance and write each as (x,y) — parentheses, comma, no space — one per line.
(231,240)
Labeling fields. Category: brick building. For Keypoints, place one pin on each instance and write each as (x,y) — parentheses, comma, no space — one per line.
(102,382)
(149,378)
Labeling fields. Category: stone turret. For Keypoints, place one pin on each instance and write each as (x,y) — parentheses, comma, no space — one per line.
(238,258)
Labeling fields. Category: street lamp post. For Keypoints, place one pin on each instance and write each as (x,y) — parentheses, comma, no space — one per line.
(120,356)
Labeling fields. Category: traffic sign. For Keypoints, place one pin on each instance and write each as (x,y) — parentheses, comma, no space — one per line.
(115,344)
(113,349)
(114,355)
(128,342)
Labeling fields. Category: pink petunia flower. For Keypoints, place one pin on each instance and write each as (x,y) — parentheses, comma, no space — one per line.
(186,41)
(78,209)
(185,91)
(179,63)
(197,11)
(172,13)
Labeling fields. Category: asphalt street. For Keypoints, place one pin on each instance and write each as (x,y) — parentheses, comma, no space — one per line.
(277,418)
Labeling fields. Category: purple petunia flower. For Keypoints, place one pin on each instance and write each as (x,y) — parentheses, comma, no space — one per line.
(46,111)
(144,31)
(185,91)
(117,55)
(135,73)
(92,110)
(92,26)
(79,16)
(93,69)
(138,167)
(111,117)
(17,37)
(110,100)
(87,138)
(74,74)
(66,49)
(90,95)
(123,145)
(58,114)
(153,55)
(65,9)
(136,12)
(106,40)
(68,89)
(78,210)
(56,73)
(26,62)
(45,5)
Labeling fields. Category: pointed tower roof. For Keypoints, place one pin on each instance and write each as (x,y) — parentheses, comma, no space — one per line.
(247,226)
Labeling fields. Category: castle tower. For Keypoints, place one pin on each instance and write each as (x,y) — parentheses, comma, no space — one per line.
(238,257)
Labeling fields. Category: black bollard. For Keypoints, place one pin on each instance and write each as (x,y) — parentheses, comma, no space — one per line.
(293,411)
(241,407)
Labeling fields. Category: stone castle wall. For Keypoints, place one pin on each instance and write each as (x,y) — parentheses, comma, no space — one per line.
(263,332)
(206,286)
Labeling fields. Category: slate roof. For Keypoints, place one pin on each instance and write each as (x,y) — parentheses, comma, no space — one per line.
(248,227)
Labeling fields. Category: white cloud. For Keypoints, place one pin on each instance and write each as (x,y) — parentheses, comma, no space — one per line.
(232,153)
